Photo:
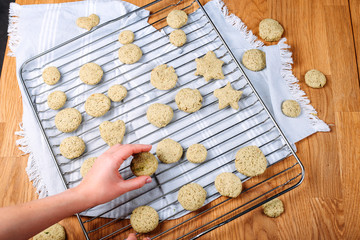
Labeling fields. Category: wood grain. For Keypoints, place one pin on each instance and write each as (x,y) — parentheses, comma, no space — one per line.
(323,35)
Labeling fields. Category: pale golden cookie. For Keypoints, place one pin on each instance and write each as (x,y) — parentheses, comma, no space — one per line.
(228,184)
(91,73)
(56,100)
(130,53)
(55,232)
(159,114)
(68,120)
(97,104)
(169,151)
(72,147)
(254,60)
(196,153)
(189,100)
(209,66)
(228,96)
(86,166)
(177,18)
(270,30)
(112,132)
(117,92)
(291,108)
(88,22)
(51,75)
(144,164)
(250,161)
(315,79)
(192,196)
(144,219)
(126,37)
(273,208)
(163,77)
(177,37)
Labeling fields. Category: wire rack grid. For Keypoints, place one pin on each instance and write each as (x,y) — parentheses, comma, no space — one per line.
(223,132)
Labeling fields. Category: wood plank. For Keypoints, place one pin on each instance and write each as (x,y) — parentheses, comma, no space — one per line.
(323,36)
(342,59)
(354,8)
(348,144)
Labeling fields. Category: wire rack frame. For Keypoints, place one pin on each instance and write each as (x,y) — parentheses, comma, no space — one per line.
(219,220)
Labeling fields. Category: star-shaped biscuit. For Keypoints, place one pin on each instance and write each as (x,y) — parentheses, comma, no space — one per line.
(209,66)
(228,96)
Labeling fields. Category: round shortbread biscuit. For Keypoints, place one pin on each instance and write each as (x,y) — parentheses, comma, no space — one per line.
(273,208)
(117,92)
(169,151)
(144,164)
(68,120)
(254,60)
(192,196)
(56,100)
(129,53)
(177,18)
(196,153)
(51,75)
(250,161)
(177,37)
(91,73)
(126,37)
(189,100)
(159,114)
(270,30)
(291,108)
(315,79)
(97,105)
(163,77)
(72,147)
(144,219)
(55,232)
(86,166)
(228,184)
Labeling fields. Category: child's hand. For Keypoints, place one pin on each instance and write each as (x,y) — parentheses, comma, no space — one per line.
(132,236)
(103,182)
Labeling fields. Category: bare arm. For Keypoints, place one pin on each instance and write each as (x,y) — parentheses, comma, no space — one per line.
(102,184)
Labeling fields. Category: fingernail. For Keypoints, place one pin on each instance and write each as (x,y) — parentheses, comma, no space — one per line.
(149,180)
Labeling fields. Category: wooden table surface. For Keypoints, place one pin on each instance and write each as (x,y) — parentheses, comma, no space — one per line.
(323,34)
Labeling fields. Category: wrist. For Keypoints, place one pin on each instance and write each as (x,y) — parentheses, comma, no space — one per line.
(81,198)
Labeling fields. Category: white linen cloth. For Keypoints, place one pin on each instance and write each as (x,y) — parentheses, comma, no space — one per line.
(36,28)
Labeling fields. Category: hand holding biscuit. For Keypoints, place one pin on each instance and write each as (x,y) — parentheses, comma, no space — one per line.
(104,182)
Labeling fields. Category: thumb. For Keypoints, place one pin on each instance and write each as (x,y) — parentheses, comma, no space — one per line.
(135,183)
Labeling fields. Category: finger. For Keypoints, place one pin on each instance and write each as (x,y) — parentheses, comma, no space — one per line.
(134,183)
(113,149)
(132,236)
(126,150)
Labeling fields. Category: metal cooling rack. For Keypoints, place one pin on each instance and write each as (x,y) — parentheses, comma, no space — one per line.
(253,122)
